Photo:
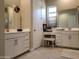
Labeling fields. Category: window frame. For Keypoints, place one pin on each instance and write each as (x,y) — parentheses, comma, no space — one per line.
(48,23)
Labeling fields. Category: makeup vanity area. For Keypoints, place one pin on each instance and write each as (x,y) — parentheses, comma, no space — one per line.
(68,38)
(65,38)
(65,31)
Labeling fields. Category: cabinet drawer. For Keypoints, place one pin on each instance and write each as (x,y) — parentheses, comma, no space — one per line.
(24,38)
(15,35)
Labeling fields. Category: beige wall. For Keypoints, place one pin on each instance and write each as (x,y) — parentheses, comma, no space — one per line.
(1,28)
(44,11)
(77,2)
(12,2)
(26,13)
(64,4)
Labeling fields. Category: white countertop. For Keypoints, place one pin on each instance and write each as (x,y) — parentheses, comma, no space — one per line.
(66,29)
(15,31)
(62,30)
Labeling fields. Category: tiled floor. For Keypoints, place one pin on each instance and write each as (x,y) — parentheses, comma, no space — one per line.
(51,53)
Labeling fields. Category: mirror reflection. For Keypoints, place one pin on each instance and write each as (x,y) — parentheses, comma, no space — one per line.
(68,18)
(66,15)
(12,14)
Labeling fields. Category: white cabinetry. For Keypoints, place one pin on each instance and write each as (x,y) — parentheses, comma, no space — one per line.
(58,38)
(22,45)
(75,40)
(16,43)
(67,39)
(9,48)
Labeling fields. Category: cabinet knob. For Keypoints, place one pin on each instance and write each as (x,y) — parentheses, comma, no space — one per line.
(34,30)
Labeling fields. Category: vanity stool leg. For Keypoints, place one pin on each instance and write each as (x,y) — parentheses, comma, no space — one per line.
(53,44)
(44,43)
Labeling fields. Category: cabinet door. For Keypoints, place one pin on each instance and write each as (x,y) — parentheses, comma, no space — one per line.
(18,46)
(9,48)
(65,39)
(58,38)
(75,40)
(21,46)
(25,44)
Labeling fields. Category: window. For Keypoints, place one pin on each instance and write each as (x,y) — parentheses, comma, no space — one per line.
(51,16)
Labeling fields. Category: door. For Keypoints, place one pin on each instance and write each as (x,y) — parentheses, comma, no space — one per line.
(37,23)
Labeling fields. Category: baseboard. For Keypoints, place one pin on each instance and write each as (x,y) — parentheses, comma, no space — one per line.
(21,54)
(33,49)
(67,47)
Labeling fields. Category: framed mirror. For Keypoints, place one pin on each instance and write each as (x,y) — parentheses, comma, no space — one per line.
(12,14)
(68,18)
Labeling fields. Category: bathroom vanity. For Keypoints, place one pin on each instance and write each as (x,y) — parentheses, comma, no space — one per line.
(16,43)
(65,38)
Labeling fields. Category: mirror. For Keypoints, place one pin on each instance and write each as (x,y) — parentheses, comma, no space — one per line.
(67,13)
(65,18)
(12,14)
(68,18)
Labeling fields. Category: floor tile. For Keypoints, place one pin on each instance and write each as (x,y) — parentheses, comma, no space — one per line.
(51,53)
